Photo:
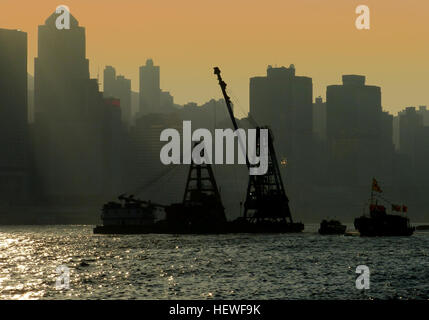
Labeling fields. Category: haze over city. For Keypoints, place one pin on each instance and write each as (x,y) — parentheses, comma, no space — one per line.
(234,149)
(186,37)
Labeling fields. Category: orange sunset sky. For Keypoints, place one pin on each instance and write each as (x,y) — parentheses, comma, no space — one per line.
(188,37)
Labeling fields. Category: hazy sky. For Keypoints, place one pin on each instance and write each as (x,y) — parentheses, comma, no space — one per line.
(188,37)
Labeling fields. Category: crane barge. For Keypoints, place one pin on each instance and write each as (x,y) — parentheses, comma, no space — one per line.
(266,208)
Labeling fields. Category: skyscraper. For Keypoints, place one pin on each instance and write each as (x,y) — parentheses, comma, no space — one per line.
(150,91)
(109,80)
(70,140)
(61,72)
(359,133)
(118,87)
(284,101)
(13,115)
(410,122)
(319,118)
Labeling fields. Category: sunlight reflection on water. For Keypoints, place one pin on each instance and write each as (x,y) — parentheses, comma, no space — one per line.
(292,266)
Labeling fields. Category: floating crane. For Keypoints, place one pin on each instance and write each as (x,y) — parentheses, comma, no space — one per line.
(266,204)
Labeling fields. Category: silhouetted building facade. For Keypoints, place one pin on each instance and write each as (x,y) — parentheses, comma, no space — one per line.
(118,87)
(70,131)
(409,124)
(411,169)
(116,150)
(284,102)
(425,114)
(359,133)
(14,173)
(109,79)
(150,91)
(319,118)
(166,100)
(146,146)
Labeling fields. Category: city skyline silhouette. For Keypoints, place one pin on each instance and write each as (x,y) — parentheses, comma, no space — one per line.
(319,38)
(115,146)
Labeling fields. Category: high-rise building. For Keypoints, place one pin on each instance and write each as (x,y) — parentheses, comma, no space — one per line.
(284,101)
(425,114)
(413,150)
(150,92)
(421,156)
(410,122)
(359,133)
(118,87)
(124,94)
(30,85)
(61,72)
(115,152)
(146,147)
(70,134)
(109,81)
(13,115)
(319,118)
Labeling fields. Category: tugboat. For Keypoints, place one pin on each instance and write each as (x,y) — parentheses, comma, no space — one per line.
(332,227)
(379,223)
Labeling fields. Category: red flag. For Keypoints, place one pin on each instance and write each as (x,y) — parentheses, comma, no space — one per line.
(396,207)
(375,186)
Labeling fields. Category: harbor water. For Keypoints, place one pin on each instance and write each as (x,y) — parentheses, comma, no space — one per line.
(233,266)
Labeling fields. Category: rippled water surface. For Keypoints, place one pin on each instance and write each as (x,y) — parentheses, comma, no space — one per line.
(291,266)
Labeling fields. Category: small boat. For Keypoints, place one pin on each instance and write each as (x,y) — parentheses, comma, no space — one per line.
(379,222)
(332,227)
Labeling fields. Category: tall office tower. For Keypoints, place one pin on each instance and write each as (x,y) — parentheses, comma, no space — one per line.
(425,114)
(150,92)
(118,87)
(319,118)
(13,115)
(413,149)
(109,81)
(355,124)
(124,94)
(396,132)
(30,91)
(116,150)
(284,102)
(70,138)
(410,122)
(421,157)
(61,71)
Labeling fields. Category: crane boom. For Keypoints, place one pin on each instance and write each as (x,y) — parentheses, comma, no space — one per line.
(228,102)
(226,97)
(266,197)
